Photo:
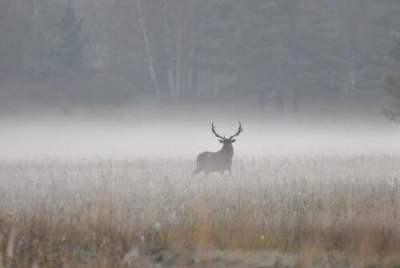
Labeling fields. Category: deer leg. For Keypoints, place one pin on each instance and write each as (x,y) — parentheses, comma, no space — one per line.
(197,171)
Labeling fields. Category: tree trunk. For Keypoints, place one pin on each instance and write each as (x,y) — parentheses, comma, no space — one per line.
(178,63)
(279,100)
(261,97)
(296,101)
(34,51)
(149,51)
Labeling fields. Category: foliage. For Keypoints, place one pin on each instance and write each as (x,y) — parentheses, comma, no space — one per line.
(70,46)
(392,86)
(282,53)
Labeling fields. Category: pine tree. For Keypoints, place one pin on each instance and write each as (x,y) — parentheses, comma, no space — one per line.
(70,45)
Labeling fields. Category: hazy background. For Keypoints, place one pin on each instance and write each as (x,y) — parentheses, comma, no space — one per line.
(129,78)
(67,139)
(283,54)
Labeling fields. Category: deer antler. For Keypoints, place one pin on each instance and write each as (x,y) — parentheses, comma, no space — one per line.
(215,133)
(240,129)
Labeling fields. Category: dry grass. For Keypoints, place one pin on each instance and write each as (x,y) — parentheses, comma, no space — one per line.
(272,212)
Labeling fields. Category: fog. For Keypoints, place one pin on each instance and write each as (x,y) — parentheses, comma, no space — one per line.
(279,54)
(285,68)
(96,139)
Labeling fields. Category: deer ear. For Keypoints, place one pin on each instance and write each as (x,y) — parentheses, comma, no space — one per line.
(233,140)
(221,141)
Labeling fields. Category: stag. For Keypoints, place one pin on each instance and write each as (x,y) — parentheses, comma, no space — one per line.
(217,161)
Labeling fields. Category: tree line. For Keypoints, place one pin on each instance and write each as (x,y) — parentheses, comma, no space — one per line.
(280,53)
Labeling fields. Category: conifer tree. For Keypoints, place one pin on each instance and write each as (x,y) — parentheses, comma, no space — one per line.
(70,45)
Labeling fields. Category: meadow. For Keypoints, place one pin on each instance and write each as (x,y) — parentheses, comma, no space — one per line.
(273,211)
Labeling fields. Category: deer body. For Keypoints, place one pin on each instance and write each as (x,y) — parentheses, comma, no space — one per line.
(217,161)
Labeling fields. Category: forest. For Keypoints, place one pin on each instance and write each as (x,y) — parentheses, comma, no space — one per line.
(283,54)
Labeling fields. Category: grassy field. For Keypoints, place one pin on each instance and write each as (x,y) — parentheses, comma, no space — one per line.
(301,211)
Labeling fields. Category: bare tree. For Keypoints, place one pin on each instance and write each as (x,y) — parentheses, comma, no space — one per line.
(148,49)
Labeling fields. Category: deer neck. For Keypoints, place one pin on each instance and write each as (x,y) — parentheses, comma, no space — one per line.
(227,149)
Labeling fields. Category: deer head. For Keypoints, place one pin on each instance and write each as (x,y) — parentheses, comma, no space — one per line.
(229,140)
